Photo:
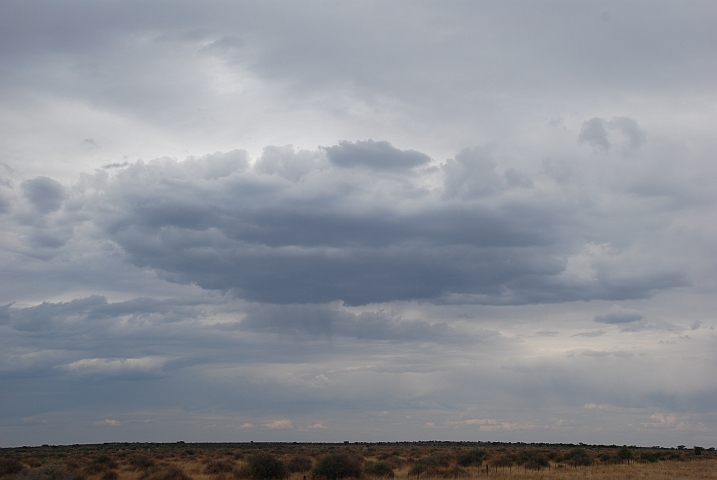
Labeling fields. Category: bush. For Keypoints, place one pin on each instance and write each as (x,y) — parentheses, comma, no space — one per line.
(648,457)
(168,472)
(100,464)
(10,466)
(140,462)
(53,471)
(335,466)
(608,459)
(578,457)
(533,460)
(625,453)
(263,466)
(299,463)
(434,464)
(471,457)
(110,475)
(504,461)
(219,466)
(378,469)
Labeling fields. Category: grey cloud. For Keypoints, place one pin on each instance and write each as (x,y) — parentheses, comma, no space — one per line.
(630,129)
(319,240)
(4,204)
(332,321)
(472,173)
(287,163)
(44,193)
(592,334)
(594,133)
(618,315)
(47,315)
(377,155)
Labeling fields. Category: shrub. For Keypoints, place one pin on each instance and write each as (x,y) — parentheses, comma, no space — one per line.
(100,464)
(608,459)
(648,457)
(335,466)
(625,453)
(10,466)
(263,466)
(471,457)
(168,472)
(578,457)
(434,464)
(504,461)
(219,466)
(54,471)
(533,460)
(140,462)
(458,472)
(299,463)
(378,469)
(110,475)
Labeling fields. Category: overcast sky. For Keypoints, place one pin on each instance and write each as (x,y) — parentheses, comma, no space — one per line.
(364,221)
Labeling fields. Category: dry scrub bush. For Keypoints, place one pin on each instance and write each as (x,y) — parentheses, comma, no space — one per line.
(219,466)
(110,475)
(167,472)
(336,466)
(471,457)
(10,466)
(378,469)
(140,462)
(53,471)
(262,466)
(299,463)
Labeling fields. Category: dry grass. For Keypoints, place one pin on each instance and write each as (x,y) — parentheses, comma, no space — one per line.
(217,462)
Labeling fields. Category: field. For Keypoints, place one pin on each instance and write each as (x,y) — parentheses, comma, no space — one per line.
(403,460)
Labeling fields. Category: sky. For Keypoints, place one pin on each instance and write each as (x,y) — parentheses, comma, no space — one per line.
(363,221)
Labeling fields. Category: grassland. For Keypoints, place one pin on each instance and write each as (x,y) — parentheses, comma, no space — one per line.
(409,461)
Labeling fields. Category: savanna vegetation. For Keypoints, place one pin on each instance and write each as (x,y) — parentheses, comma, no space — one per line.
(366,461)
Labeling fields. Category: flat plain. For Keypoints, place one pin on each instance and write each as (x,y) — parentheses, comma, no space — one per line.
(327,461)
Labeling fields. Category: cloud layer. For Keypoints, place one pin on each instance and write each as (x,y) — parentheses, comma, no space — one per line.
(284,221)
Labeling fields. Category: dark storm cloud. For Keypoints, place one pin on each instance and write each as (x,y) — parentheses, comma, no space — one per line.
(314,235)
(44,193)
(51,315)
(617,315)
(379,155)
(330,321)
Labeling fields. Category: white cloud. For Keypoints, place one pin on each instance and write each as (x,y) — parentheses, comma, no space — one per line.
(109,422)
(279,424)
